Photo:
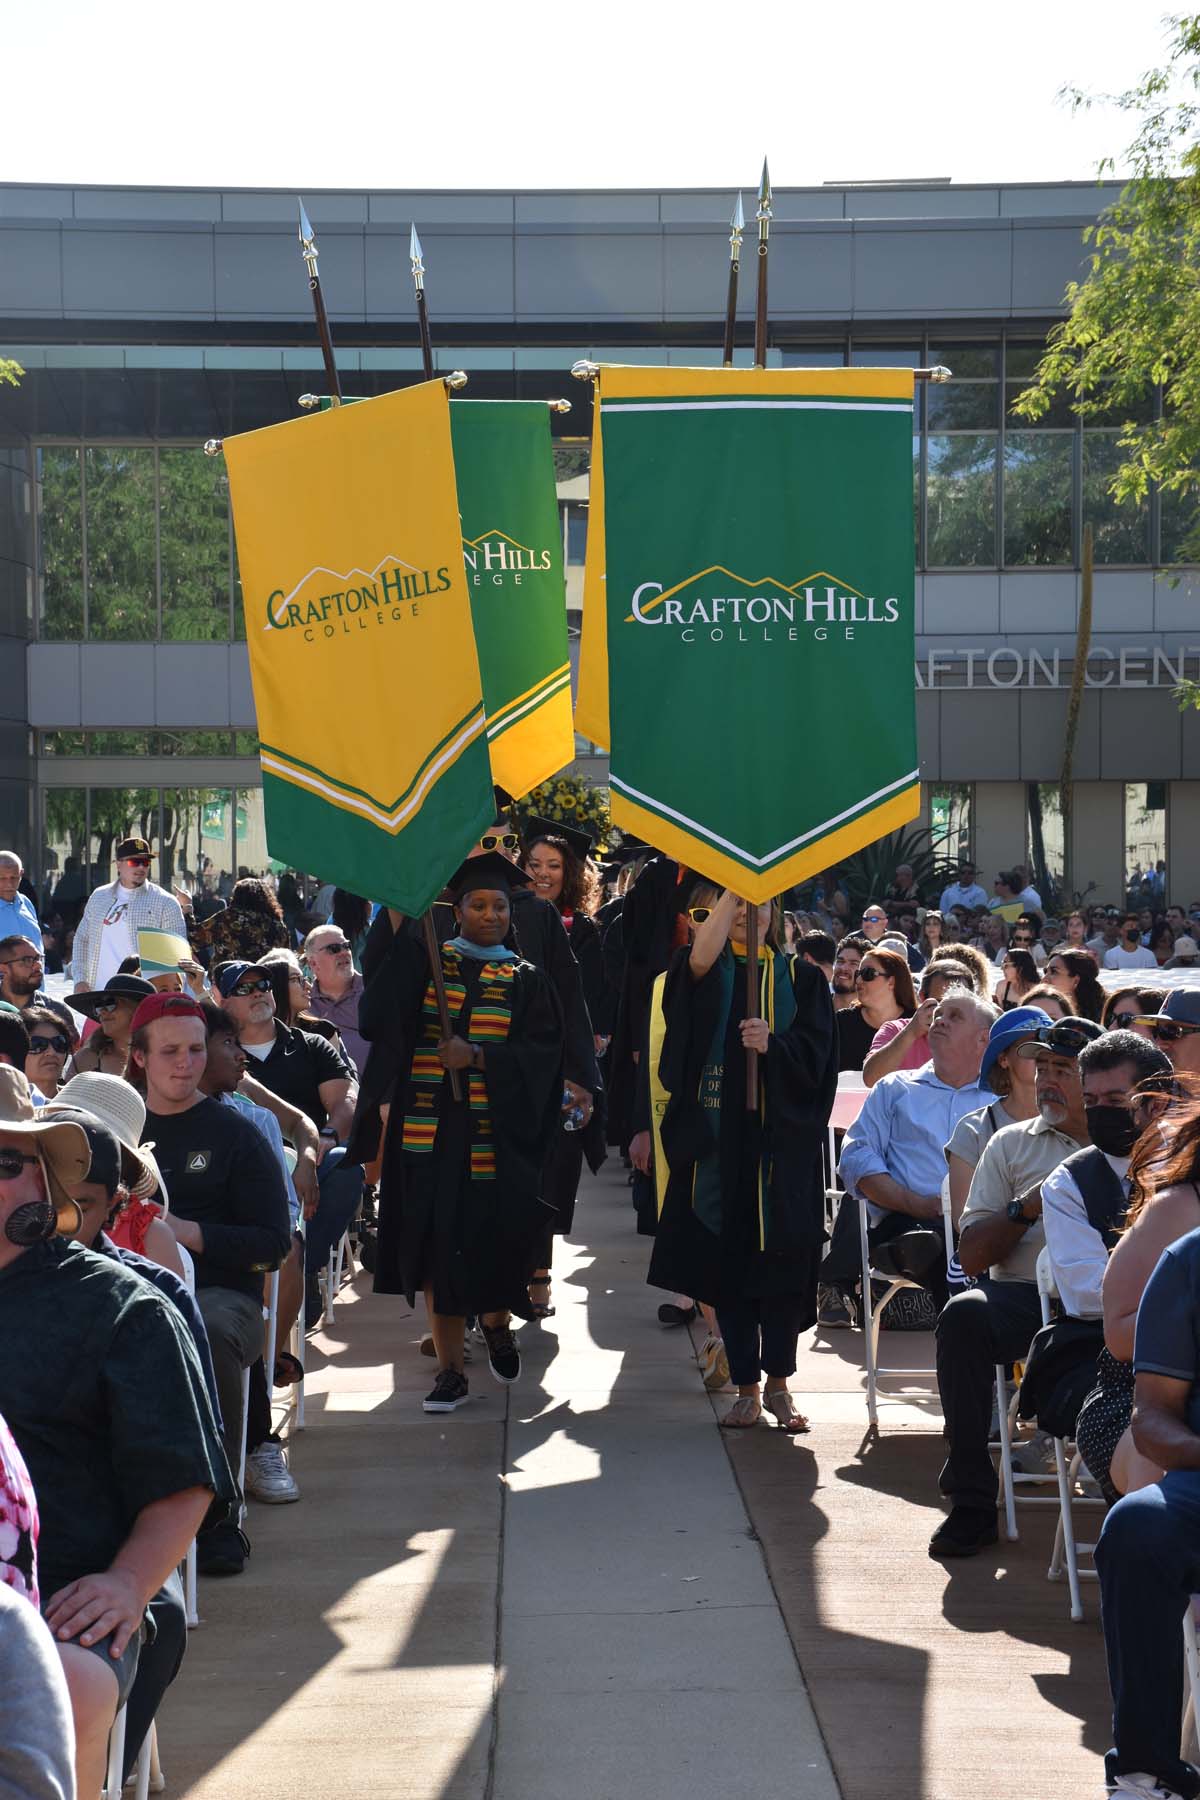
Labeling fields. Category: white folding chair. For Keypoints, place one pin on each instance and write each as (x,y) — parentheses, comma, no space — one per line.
(1067,1462)
(873,1314)
(341,1261)
(147,1755)
(242,1440)
(1189,1738)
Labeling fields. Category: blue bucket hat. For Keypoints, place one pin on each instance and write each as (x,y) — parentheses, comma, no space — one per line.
(1009,1028)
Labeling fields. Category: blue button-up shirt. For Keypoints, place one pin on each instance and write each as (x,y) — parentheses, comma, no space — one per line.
(18,918)
(903,1130)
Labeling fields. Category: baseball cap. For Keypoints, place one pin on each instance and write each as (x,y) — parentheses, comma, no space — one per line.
(1063,1037)
(230,973)
(161,1006)
(132,846)
(1008,1030)
(1182,1003)
(1186,946)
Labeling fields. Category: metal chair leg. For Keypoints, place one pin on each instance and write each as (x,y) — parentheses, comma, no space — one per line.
(1006,1468)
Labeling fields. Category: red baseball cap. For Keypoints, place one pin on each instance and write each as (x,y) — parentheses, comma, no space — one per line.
(162,1006)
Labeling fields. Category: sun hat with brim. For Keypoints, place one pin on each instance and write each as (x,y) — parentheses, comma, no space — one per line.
(61,1143)
(119,987)
(1009,1029)
(1062,1037)
(121,1110)
(104,1167)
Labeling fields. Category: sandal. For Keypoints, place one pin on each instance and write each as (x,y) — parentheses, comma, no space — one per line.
(779,1405)
(745,1411)
(541,1309)
(288,1369)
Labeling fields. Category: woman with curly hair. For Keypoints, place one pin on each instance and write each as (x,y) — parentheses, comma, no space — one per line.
(1073,973)
(249,926)
(983,973)
(556,861)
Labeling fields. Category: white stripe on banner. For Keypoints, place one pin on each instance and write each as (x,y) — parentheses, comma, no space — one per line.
(390,822)
(761,862)
(645,406)
(503,720)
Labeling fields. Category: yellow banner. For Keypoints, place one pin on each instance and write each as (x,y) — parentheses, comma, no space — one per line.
(591,702)
(362,655)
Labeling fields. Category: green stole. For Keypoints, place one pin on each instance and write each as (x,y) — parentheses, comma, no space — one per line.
(777,1004)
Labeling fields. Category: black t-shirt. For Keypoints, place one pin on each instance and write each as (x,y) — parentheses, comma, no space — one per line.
(298,1063)
(854,1037)
(220,1173)
(102,1389)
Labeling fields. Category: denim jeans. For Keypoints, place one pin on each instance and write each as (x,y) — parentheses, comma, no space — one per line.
(1148,1558)
(341,1186)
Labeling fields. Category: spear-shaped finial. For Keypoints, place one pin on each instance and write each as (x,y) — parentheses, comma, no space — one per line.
(308,250)
(416,258)
(736,227)
(764,233)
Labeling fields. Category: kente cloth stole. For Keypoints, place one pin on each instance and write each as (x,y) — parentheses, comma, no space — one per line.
(777,1005)
(491,1018)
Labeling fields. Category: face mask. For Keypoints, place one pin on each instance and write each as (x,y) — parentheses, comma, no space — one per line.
(1113,1129)
(30,1223)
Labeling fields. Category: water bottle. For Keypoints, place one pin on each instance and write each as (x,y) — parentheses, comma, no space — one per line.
(572,1119)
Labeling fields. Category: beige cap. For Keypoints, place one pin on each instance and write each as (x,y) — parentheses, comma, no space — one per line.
(63,1147)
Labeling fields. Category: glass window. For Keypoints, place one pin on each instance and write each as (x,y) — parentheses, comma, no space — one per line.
(122,743)
(117,813)
(66,881)
(916,444)
(962,405)
(961,505)
(1180,528)
(60,545)
(197,833)
(193,497)
(122,596)
(812,356)
(1121,533)
(1037,497)
(577,523)
(245,743)
(196,743)
(967,362)
(950,807)
(885,356)
(253,857)
(239,610)
(1145,842)
(63,743)
(1044,838)
(1059,415)
(1022,358)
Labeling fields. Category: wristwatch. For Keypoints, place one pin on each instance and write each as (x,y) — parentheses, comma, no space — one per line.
(1016,1212)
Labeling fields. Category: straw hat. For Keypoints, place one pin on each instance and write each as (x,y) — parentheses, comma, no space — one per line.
(110,1099)
(62,1145)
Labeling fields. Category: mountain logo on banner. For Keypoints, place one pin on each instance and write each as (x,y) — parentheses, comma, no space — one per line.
(496,557)
(316,602)
(716,610)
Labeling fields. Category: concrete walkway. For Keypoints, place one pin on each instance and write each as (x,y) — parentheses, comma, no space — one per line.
(578,1585)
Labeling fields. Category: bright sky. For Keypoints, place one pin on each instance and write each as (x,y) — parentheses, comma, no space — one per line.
(550,93)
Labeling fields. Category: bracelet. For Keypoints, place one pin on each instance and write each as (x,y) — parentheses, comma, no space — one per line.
(328,1131)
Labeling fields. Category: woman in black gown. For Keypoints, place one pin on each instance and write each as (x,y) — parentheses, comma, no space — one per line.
(743,1215)
(460,1207)
(556,863)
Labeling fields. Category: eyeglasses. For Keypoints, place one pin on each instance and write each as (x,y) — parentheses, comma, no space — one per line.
(698,914)
(12,962)
(38,1046)
(331,949)
(13,1161)
(870,975)
(137,862)
(497,840)
(1166,1031)
(260,985)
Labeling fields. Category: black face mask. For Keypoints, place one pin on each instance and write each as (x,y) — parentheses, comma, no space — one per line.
(1112,1129)
(30,1223)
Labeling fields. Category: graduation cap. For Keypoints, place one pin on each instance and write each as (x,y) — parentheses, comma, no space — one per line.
(490,870)
(574,836)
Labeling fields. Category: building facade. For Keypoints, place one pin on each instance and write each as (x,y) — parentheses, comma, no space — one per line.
(148,320)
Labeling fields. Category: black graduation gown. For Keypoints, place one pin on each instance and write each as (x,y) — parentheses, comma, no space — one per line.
(799,1081)
(472,1241)
(650,931)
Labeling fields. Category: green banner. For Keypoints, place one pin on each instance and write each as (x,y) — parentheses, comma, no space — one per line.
(758,582)
(512,549)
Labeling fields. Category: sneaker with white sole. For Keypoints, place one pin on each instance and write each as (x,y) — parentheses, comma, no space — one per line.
(449,1392)
(1147,1787)
(714,1364)
(268,1477)
(503,1355)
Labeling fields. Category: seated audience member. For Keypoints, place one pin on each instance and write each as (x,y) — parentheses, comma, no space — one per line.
(1048,1000)
(1176,1030)
(111,1416)
(966,892)
(1027,935)
(37,1735)
(291,989)
(310,1074)
(112,1009)
(818,948)
(1164,1205)
(1018,973)
(904,1043)
(1130,952)
(228,1209)
(1148,1556)
(1000,1237)
(1011,1079)
(139,1225)
(1073,973)
(894,1153)
(1131,1009)
(49,1047)
(14,1038)
(966,956)
(21,971)
(337,988)
(884,990)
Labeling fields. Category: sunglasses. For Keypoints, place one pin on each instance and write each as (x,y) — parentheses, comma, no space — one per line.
(870,975)
(13,1161)
(1166,1031)
(1123,1020)
(698,914)
(58,1043)
(497,840)
(1022,943)
(260,985)
(137,862)
(874,918)
(102,1008)
(332,949)
(1065,1040)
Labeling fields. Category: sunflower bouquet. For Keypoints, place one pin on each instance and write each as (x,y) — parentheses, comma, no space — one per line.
(571,800)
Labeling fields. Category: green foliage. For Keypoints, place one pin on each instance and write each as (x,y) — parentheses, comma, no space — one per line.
(571,799)
(868,873)
(10,372)
(1134,321)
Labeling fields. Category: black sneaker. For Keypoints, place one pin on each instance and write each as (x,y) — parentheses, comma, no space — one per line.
(449,1392)
(221,1550)
(965,1532)
(835,1310)
(503,1355)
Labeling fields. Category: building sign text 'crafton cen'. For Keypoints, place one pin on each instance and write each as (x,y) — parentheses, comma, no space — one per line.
(1132,666)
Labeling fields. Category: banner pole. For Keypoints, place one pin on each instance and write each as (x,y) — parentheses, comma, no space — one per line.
(736,226)
(753,994)
(753,1002)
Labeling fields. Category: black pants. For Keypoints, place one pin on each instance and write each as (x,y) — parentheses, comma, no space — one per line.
(990,1323)
(760,1336)
(157,1667)
(258,1408)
